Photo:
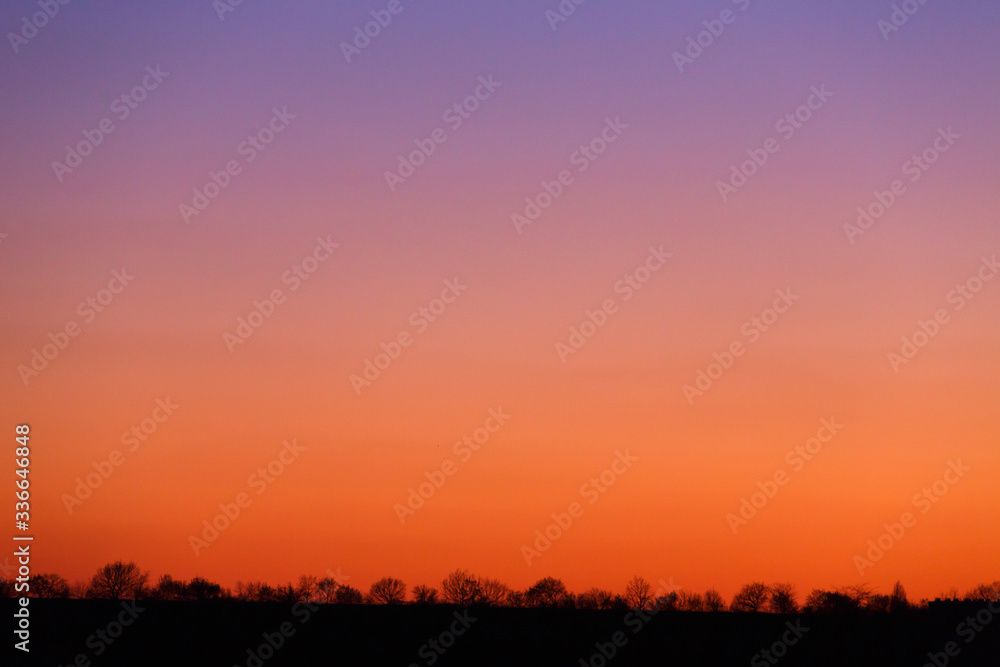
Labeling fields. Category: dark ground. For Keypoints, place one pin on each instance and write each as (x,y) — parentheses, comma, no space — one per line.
(66,632)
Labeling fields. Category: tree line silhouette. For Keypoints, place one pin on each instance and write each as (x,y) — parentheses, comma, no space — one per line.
(121,580)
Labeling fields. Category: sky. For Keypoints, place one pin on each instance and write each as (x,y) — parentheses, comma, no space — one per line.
(618,250)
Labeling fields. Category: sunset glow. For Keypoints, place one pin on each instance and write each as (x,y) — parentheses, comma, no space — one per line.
(496,291)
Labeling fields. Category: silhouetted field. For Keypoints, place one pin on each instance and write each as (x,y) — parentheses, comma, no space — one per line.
(85,632)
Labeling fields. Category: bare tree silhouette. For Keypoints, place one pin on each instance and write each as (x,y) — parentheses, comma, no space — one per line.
(897,600)
(308,588)
(752,598)
(829,602)
(667,602)
(48,586)
(690,601)
(782,599)
(118,581)
(202,589)
(264,592)
(461,587)
(984,592)
(425,594)
(714,601)
(121,580)
(243,590)
(168,588)
(493,592)
(638,592)
(861,594)
(348,595)
(547,592)
(254,590)
(517,599)
(326,590)
(595,598)
(387,590)
(878,603)
(286,594)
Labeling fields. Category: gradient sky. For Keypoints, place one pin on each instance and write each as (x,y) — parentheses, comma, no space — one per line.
(495,346)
